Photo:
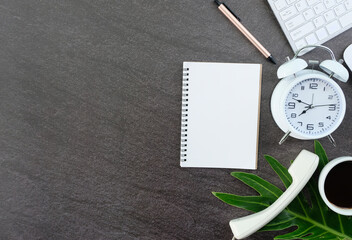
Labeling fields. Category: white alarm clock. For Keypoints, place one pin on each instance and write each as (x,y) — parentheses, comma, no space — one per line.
(307,103)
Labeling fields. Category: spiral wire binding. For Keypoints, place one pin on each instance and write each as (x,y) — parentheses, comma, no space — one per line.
(184,115)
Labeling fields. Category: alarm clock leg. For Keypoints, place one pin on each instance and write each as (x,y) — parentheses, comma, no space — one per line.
(283,139)
(332,140)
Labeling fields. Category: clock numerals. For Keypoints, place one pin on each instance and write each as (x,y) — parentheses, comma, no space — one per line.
(330,97)
(321,124)
(332,108)
(313,86)
(328,117)
(291,105)
(294,95)
(310,126)
(293,115)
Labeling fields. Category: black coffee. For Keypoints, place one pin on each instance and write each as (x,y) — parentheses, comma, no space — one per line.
(338,185)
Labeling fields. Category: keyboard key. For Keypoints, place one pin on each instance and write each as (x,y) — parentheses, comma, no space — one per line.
(319,21)
(294,22)
(309,14)
(302,31)
(288,13)
(340,9)
(319,8)
(312,2)
(311,39)
(280,4)
(329,15)
(301,43)
(346,19)
(301,5)
(329,3)
(322,34)
(333,27)
(348,4)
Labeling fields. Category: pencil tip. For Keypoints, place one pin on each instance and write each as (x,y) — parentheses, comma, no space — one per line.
(217,2)
(271,59)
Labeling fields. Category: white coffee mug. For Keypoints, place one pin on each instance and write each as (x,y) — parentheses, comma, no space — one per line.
(323,175)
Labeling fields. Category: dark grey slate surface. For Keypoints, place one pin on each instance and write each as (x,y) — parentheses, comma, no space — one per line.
(90,117)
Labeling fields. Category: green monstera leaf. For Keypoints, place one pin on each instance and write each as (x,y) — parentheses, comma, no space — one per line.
(308,212)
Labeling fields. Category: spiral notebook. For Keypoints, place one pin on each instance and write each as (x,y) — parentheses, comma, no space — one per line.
(220,115)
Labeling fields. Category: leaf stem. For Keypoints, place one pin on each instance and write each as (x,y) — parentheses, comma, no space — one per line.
(326,228)
(300,203)
(317,199)
(342,230)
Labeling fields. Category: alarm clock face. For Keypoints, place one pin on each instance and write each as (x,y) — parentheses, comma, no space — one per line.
(314,107)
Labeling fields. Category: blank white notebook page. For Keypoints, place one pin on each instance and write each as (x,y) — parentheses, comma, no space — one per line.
(220,115)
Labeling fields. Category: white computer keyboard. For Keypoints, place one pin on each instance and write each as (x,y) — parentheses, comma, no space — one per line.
(307,22)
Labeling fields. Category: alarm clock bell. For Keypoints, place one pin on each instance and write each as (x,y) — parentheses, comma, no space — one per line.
(335,70)
(291,67)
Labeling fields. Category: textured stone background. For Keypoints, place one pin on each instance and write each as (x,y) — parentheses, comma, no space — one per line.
(90,99)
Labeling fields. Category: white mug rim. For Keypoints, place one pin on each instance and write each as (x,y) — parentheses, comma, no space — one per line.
(322,177)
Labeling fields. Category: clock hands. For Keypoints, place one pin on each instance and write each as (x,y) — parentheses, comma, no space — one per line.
(300,101)
(321,105)
(305,111)
(307,107)
(310,106)
(324,105)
